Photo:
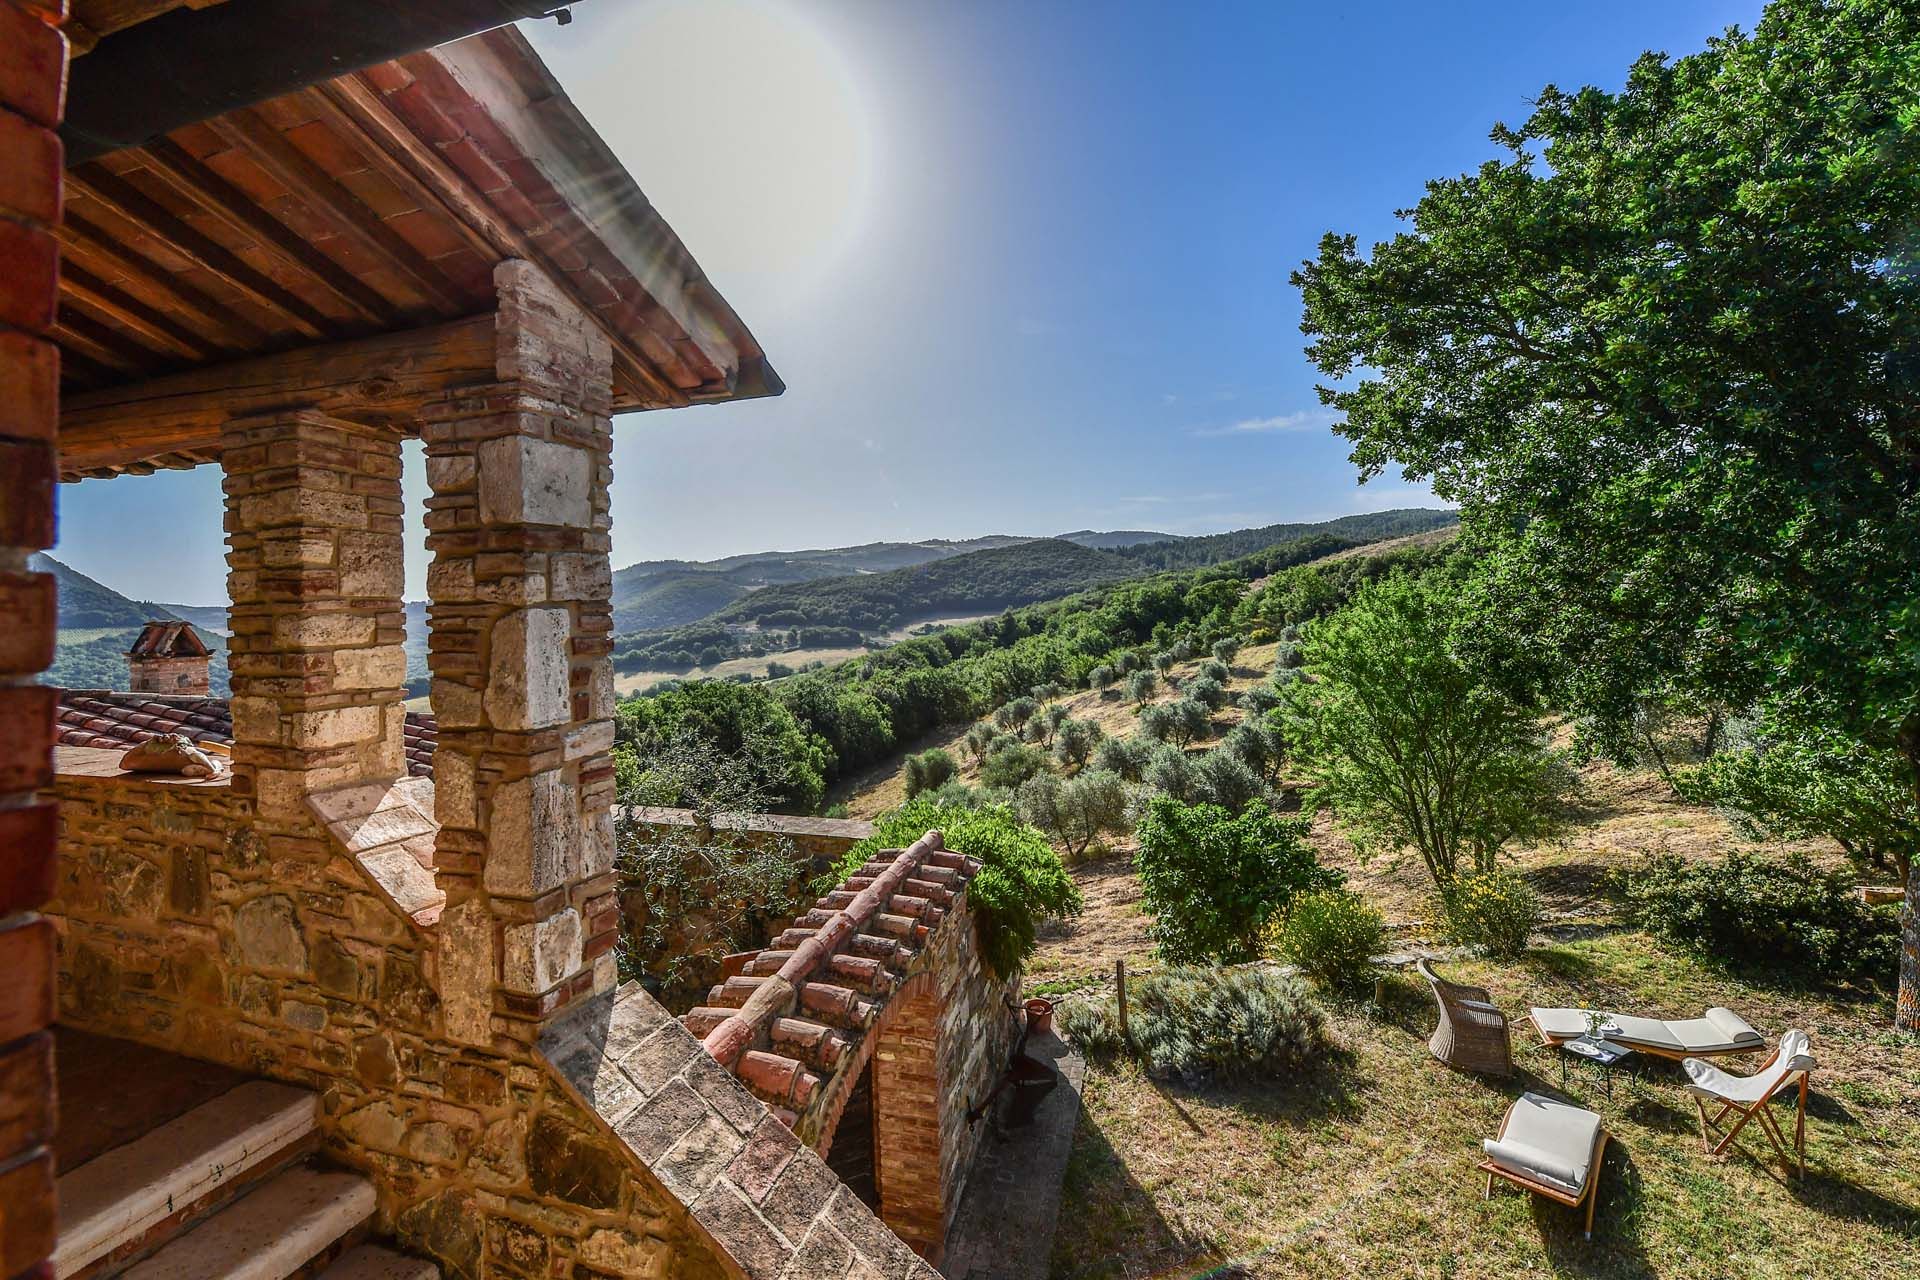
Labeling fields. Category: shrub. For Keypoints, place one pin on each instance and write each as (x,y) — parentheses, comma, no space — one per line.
(1260,699)
(1127,757)
(1225,650)
(1207,691)
(1014,713)
(1214,669)
(1259,744)
(1157,722)
(1163,661)
(1493,911)
(1213,880)
(1197,1023)
(1783,915)
(1141,686)
(927,771)
(1101,678)
(1128,662)
(1333,935)
(1192,720)
(1172,771)
(1226,780)
(979,734)
(1074,742)
(1046,692)
(1021,882)
(1180,650)
(1288,657)
(1009,766)
(1076,811)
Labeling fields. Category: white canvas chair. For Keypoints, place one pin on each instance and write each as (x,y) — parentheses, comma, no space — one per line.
(1748,1096)
(1551,1149)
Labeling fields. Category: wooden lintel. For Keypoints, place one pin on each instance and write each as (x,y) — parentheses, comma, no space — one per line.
(384,379)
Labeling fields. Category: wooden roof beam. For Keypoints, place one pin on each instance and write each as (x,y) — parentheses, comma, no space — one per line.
(88,291)
(172,164)
(385,379)
(129,202)
(288,165)
(94,244)
(359,111)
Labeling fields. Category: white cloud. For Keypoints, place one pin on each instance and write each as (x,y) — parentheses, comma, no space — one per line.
(1300,420)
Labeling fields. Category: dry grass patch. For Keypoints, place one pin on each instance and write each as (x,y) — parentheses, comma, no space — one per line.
(1365,1166)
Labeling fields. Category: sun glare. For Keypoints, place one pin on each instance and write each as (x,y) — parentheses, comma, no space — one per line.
(745,125)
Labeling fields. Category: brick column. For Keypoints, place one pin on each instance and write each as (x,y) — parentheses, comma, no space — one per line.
(521,616)
(907,1104)
(33,72)
(314,583)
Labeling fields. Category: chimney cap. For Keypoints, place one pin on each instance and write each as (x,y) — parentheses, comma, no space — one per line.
(169,640)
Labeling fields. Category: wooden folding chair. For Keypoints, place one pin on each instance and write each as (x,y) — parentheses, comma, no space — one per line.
(1550,1148)
(1748,1097)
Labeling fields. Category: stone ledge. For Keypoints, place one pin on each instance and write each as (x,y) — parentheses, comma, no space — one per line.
(769,1205)
(389,829)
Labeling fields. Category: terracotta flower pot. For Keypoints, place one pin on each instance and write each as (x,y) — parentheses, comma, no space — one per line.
(1039,1016)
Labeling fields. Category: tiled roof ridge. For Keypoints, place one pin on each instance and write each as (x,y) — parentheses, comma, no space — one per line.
(794,1012)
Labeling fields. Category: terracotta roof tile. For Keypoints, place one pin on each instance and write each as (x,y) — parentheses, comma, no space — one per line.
(111,718)
(832,973)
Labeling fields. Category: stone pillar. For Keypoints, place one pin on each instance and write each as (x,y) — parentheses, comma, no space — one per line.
(521,615)
(33,72)
(314,583)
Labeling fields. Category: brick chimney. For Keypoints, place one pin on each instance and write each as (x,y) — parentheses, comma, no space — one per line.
(169,657)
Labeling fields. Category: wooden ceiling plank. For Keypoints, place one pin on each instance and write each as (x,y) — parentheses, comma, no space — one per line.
(383,379)
(103,344)
(95,244)
(175,166)
(271,150)
(97,295)
(129,202)
(349,100)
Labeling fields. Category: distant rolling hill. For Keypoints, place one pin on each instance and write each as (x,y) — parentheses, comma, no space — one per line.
(1114,539)
(1374,526)
(979,581)
(85,603)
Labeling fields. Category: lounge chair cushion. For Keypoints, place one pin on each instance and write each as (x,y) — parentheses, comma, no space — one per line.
(1709,1081)
(1719,1031)
(1547,1142)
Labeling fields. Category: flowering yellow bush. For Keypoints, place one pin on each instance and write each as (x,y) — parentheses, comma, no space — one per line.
(1493,911)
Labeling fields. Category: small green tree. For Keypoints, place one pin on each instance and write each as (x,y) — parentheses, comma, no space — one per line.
(1409,745)
(1213,669)
(1011,765)
(1141,686)
(1014,713)
(928,771)
(1226,780)
(1191,720)
(1163,661)
(1225,650)
(1075,811)
(1101,678)
(1213,880)
(979,734)
(1074,742)
(1172,772)
(1126,757)
(1205,689)
(1258,743)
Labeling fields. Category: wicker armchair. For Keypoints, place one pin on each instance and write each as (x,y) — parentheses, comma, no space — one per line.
(1472,1035)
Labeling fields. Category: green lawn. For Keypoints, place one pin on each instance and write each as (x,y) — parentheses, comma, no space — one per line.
(1364,1166)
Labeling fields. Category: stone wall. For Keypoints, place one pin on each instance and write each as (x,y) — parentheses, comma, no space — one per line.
(169,675)
(33,77)
(186,924)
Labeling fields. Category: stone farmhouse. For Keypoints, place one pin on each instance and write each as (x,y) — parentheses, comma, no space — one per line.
(351,1007)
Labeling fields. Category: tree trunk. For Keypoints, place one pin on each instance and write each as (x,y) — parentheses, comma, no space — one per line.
(1906,1010)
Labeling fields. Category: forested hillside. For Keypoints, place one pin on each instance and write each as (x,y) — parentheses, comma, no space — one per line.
(86,603)
(1374,526)
(979,581)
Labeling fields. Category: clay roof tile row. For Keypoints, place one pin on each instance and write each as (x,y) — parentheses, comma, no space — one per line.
(796,1010)
(110,718)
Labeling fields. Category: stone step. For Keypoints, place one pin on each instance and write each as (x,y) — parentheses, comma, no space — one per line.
(180,1171)
(376,1262)
(268,1235)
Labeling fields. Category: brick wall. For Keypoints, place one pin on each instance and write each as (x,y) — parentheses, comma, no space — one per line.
(33,69)
(168,675)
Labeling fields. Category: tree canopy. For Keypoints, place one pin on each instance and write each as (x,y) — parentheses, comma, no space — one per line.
(1662,353)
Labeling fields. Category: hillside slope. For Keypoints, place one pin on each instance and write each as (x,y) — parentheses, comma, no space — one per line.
(975,582)
(1374,526)
(86,603)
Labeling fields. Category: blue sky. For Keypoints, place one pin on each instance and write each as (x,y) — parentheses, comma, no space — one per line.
(1022,265)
